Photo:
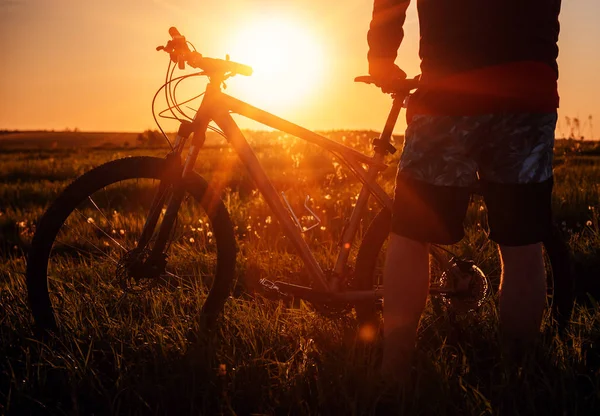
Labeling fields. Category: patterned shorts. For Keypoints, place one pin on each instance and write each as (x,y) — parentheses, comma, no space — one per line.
(507,157)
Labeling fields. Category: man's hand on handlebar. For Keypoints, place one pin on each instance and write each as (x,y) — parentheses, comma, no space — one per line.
(386,74)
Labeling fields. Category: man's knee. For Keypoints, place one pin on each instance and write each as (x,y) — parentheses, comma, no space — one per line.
(400,242)
(519,215)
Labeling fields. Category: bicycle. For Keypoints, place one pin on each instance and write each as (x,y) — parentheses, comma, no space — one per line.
(135,262)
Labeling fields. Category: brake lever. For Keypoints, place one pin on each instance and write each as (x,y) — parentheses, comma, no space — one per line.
(167,48)
(180,61)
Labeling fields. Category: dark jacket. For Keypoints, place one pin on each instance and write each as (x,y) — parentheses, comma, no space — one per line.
(459,35)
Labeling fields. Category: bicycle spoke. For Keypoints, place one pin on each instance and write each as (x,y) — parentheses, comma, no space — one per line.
(100,229)
(87,252)
(101,213)
(89,242)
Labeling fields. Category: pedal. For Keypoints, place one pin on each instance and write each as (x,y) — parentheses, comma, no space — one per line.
(268,284)
(272,291)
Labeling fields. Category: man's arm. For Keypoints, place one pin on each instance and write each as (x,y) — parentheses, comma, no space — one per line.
(385,33)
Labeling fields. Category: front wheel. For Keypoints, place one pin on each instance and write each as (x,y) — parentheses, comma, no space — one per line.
(82,255)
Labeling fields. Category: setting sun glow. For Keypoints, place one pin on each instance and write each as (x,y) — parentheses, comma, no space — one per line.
(287,62)
(90,68)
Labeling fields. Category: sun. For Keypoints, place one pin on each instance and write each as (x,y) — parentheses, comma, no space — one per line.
(287,61)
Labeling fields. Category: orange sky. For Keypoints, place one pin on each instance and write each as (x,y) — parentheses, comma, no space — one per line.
(92,65)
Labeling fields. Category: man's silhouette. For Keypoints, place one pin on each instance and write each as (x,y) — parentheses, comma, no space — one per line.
(486,110)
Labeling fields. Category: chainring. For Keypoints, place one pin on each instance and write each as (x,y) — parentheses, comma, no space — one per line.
(463,286)
(333,309)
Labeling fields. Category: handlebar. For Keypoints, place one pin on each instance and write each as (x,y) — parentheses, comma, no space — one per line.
(399,86)
(216,66)
(180,53)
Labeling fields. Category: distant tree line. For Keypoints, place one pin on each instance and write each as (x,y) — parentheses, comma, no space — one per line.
(7,131)
(150,138)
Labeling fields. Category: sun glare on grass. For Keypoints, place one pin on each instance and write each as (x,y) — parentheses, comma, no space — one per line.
(287,61)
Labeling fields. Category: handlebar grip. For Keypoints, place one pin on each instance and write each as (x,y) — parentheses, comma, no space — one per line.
(367,79)
(399,85)
(174,32)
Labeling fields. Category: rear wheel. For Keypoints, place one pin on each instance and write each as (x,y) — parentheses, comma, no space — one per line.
(369,268)
(561,281)
(369,274)
(83,257)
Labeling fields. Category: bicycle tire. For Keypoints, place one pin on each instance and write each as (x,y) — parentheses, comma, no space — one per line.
(101,178)
(560,280)
(369,252)
(367,314)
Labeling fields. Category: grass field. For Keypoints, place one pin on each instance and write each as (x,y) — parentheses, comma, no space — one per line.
(134,354)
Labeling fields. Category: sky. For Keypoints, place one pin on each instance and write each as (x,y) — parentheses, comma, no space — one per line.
(92,65)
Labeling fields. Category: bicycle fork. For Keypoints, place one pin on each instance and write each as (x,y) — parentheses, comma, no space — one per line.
(172,187)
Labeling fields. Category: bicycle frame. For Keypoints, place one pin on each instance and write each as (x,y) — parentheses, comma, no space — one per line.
(217,106)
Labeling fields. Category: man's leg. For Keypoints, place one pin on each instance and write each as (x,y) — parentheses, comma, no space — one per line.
(515,165)
(406,285)
(522,293)
(430,202)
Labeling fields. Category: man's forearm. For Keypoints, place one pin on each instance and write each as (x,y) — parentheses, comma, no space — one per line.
(385,32)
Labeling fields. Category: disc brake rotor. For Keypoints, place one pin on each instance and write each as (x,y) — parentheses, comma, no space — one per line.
(136,272)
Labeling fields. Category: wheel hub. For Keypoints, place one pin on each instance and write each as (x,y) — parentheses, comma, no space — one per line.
(138,270)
